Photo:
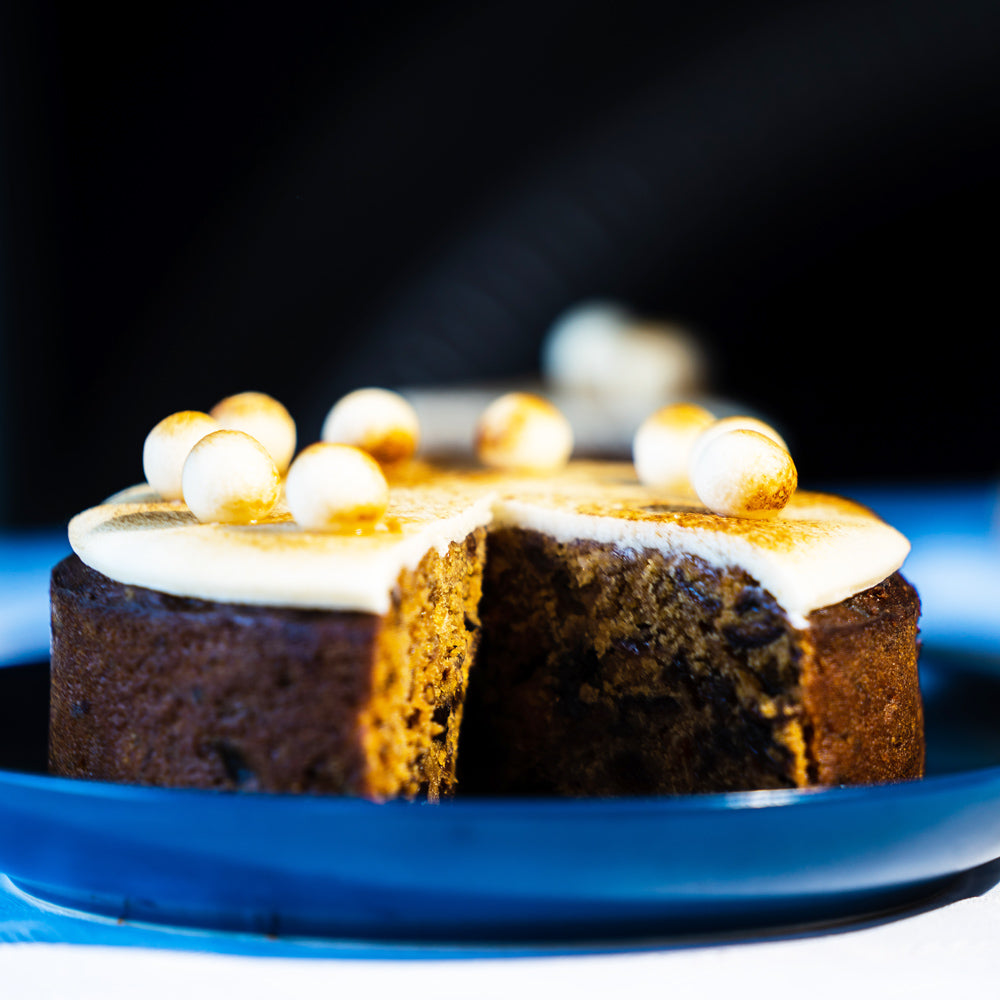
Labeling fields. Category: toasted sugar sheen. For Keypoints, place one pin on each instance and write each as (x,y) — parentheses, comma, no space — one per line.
(820,550)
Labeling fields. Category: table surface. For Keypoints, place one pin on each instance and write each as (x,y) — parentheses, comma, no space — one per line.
(937,944)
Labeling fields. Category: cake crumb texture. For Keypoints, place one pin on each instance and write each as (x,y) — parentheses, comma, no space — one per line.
(606,671)
(410,726)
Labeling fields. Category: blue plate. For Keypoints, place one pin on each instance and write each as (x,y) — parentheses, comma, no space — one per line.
(514,870)
(308,868)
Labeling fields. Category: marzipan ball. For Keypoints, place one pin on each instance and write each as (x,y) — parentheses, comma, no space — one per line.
(742,473)
(601,349)
(333,487)
(230,477)
(167,446)
(262,417)
(733,423)
(522,431)
(379,421)
(661,448)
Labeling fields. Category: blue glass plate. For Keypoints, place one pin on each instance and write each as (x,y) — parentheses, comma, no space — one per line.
(284,868)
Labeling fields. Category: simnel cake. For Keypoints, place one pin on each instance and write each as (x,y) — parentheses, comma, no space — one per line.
(358,620)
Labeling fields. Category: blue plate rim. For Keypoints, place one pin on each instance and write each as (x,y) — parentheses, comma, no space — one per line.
(700,802)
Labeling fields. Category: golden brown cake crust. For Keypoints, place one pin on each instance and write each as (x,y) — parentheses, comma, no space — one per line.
(163,690)
(861,689)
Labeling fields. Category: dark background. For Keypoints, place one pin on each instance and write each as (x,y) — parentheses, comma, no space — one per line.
(196,201)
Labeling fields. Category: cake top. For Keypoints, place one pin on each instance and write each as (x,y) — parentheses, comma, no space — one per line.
(230,513)
(817,551)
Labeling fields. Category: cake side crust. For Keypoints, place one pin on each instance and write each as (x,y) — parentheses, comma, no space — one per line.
(861,687)
(159,690)
(154,689)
